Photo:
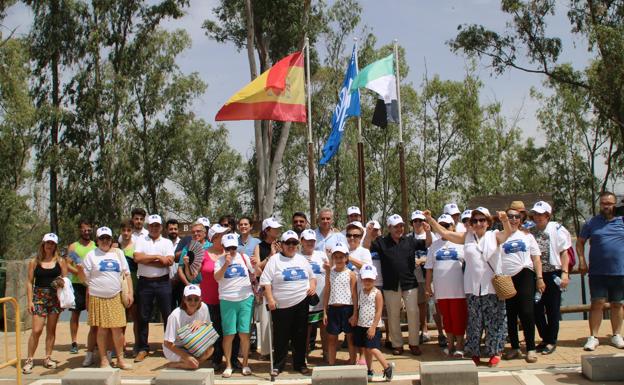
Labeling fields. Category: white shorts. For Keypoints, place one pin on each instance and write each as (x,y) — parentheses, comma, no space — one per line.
(170,355)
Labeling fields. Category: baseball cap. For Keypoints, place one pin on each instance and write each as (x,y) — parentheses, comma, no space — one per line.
(216,229)
(103,231)
(445,218)
(353,210)
(451,209)
(368,272)
(204,221)
(289,235)
(357,224)
(270,222)
(376,225)
(466,214)
(340,247)
(154,218)
(192,290)
(481,210)
(418,215)
(394,220)
(50,237)
(541,207)
(229,240)
(308,235)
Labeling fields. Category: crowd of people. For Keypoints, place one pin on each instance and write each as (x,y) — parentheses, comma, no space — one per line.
(239,292)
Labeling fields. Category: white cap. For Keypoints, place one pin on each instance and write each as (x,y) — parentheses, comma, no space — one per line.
(394,220)
(466,214)
(154,218)
(481,210)
(192,290)
(353,210)
(204,221)
(357,224)
(368,272)
(50,237)
(229,240)
(376,225)
(445,218)
(340,247)
(289,235)
(308,235)
(541,207)
(270,222)
(451,209)
(104,231)
(216,229)
(418,215)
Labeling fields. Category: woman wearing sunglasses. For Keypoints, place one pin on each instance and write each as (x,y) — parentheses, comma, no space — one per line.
(289,280)
(521,260)
(233,272)
(481,252)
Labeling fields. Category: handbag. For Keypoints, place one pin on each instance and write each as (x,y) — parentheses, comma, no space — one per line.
(503,285)
(125,289)
(198,341)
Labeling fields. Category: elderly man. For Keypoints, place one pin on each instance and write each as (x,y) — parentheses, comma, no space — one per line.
(326,235)
(396,253)
(605,233)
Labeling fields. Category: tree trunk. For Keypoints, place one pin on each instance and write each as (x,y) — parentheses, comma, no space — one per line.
(56,103)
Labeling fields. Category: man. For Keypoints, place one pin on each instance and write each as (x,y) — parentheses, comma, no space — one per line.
(172,231)
(326,235)
(354,214)
(452,210)
(605,233)
(554,241)
(137,216)
(299,222)
(396,252)
(153,254)
(77,252)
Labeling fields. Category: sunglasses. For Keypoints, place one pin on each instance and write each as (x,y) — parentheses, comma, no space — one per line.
(192,299)
(291,243)
(231,248)
(514,216)
(445,225)
(417,220)
(474,221)
(353,235)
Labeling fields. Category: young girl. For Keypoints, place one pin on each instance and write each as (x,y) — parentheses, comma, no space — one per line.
(340,296)
(367,333)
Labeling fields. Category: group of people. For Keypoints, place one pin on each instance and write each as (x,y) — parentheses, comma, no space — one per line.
(355,282)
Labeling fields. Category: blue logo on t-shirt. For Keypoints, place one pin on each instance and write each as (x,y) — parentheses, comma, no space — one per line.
(375,255)
(316,268)
(515,246)
(449,254)
(109,265)
(235,270)
(294,274)
(421,253)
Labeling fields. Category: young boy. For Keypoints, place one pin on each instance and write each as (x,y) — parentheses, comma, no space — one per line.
(367,333)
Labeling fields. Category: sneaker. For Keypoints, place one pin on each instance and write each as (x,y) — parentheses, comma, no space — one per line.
(88,360)
(493,362)
(458,354)
(74,348)
(227,373)
(512,354)
(28,366)
(246,371)
(617,341)
(424,337)
(591,344)
(387,373)
(361,361)
(446,351)
(370,375)
(531,357)
(549,349)
(49,363)
(442,341)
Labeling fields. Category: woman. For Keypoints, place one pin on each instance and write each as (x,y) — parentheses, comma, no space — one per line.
(191,311)
(43,302)
(444,264)
(101,270)
(233,273)
(288,281)
(246,242)
(521,260)
(481,252)
(127,246)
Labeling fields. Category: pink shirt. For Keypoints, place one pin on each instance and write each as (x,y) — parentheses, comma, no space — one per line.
(208,285)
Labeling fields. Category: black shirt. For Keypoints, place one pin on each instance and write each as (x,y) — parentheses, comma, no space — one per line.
(265,250)
(397,261)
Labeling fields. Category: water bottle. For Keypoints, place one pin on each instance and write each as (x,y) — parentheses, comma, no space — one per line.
(558,282)
(538,296)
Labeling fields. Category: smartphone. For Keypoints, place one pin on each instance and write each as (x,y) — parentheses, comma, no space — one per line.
(74,257)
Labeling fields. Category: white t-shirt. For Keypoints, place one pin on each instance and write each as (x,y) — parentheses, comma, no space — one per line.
(289,278)
(136,235)
(235,285)
(460,227)
(317,259)
(516,252)
(161,246)
(361,254)
(478,275)
(103,272)
(179,318)
(446,258)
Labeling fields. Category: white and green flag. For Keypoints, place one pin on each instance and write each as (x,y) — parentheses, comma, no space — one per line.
(379,77)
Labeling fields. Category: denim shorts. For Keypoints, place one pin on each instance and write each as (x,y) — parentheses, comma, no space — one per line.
(338,319)
(609,287)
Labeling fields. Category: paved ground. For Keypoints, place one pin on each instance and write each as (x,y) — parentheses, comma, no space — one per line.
(562,367)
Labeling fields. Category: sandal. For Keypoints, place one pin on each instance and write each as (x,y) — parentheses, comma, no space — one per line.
(246,371)
(227,373)
(28,366)
(49,363)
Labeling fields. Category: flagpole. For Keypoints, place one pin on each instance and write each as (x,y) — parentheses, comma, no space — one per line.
(401,146)
(360,149)
(311,184)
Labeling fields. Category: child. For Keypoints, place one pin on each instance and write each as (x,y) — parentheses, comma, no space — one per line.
(340,296)
(367,333)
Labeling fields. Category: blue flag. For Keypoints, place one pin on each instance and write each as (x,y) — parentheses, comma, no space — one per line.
(348,105)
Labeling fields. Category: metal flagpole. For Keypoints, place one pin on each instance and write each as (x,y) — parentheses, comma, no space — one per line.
(311,184)
(401,146)
(360,150)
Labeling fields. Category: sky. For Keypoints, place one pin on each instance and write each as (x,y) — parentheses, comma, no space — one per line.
(421,27)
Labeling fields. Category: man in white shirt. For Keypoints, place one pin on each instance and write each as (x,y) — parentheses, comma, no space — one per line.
(153,254)
(326,235)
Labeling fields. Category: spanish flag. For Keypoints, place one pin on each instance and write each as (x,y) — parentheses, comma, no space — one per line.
(277,94)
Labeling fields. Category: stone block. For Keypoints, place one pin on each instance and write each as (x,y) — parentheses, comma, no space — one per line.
(92,376)
(16,278)
(448,373)
(339,375)
(603,367)
(185,377)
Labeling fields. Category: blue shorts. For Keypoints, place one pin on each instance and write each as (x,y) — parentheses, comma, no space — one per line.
(609,287)
(236,316)
(338,319)
(361,340)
